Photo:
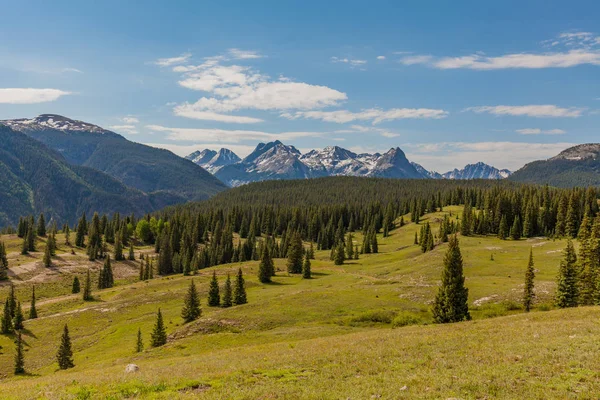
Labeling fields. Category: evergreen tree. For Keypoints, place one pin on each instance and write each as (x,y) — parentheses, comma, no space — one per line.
(3,263)
(87,287)
(214,298)
(451,302)
(6,325)
(12,301)
(239,290)
(118,248)
(18,318)
(515,231)
(528,294)
(76,287)
(67,232)
(159,333)
(191,305)
(131,253)
(587,272)
(47,257)
(339,256)
(25,246)
(567,292)
(30,240)
(227,293)
(106,278)
(503,228)
(306,274)
(64,356)
(295,254)
(80,233)
(32,308)
(139,343)
(41,227)
(19,356)
(266,268)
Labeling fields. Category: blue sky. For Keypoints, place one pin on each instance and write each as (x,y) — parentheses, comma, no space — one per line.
(448,82)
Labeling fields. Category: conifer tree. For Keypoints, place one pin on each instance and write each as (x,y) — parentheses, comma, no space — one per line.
(339,256)
(80,233)
(142,272)
(20,355)
(191,305)
(118,248)
(18,318)
(214,298)
(587,272)
(515,231)
(266,269)
(350,246)
(528,294)
(567,292)
(47,257)
(239,289)
(32,308)
(131,253)
(64,356)
(227,293)
(416,238)
(87,287)
(306,273)
(30,240)
(139,344)
(12,300)
(503,228)
(159,333)
(76,287)
(295,254)
(3,263)
(25,246)
(67,232)
(41,227)
(106,278)
(451,301)
(6,325)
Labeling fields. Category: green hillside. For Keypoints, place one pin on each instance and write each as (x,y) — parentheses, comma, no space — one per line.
(338,335)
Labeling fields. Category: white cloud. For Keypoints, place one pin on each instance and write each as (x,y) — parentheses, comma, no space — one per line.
(167,62)
(538,111)
(238,54)
(352,62)
(579,48)
(72,70)
(369,129)
(128,129)
(227,136)
(512,155)
(381,57)
(191,111)
(538,131)
(373,114)
(130,120)
(30,95)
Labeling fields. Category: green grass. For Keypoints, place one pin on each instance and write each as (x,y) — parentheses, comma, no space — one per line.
(359,330)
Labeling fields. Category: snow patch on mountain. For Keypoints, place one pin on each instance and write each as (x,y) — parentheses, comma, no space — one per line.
(53,121)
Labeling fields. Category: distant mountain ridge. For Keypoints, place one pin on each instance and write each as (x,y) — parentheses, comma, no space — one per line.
(576,166)
(276,160)
(167,176)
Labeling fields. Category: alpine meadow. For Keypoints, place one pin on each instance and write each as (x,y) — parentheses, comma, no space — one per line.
(299,200)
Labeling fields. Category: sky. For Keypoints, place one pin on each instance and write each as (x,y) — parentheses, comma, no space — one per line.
(450,83)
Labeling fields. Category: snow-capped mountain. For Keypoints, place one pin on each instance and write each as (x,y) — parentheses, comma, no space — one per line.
(579,152)
(212,161)
(477,171)
(276,160)
(53,121)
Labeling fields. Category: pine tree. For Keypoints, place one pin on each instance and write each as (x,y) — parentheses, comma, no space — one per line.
(306,274)
(67,232)
(451,301)
(41,228)
(47,257)
(503,228)
(18,318)
(227,293)
(239,290)
(64,356)
(159,333)
(515,231)
(76,287)
(118,249)
(30,240)
(295,254)
(32,309)
(567,293)
(3,263)
(19,356)
(12,301)
(139,344)
(587,272)
(106,278)
(131,253)
(528,294)
(339,256)
(87,288)
(6,325)
(191,305)
(25,246)
(266,269)
(80,233)
(214,298)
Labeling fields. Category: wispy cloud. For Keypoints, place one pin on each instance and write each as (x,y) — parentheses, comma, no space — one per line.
(381,58)
(130,120)
(238,54)
(538,131)
(538,111)
(373,114)
(579,48)
(351,62)
(30,95)
(168,62)
(128,129)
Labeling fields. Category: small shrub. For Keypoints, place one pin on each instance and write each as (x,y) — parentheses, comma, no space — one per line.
(406,319)
(510,305)
(544,307)
(373,317)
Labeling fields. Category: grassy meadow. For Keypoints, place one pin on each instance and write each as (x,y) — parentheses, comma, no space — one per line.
(357,331)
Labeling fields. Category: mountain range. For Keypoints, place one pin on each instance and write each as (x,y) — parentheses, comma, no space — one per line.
(276,160)
(98,169)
